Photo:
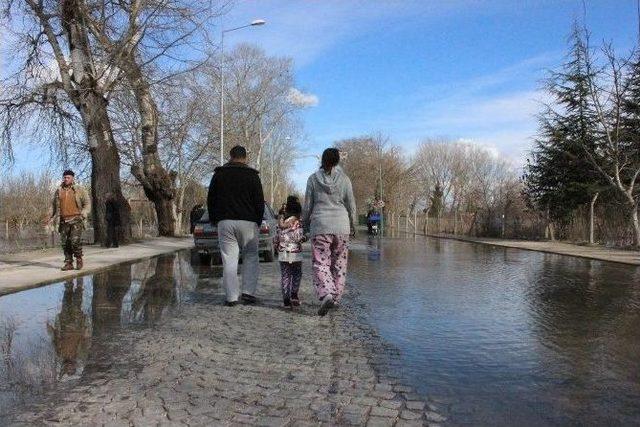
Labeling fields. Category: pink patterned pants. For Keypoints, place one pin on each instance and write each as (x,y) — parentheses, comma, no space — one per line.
(330,253)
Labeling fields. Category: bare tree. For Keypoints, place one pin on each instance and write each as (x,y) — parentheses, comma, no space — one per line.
(147,42)
(616,157)
(25,199)
(52,35)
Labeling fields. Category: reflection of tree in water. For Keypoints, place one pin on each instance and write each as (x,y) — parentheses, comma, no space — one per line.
(71,330)
(586,319)
(157,292)
(109,289)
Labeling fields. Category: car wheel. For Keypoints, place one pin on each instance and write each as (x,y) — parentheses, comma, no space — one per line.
(216,259)
(205,259)
(268,256)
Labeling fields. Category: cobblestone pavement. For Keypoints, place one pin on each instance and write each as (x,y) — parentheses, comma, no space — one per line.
(258,365)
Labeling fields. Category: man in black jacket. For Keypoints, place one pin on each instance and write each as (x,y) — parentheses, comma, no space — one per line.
(236,206)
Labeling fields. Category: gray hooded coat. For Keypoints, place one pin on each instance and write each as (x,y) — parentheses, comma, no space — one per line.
(329,205)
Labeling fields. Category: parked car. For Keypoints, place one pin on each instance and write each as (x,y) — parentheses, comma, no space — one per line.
(205,237)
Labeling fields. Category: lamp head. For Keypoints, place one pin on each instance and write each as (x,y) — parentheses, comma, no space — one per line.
(258,22)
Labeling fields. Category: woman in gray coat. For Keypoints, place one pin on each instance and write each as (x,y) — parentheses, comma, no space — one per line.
(330,213)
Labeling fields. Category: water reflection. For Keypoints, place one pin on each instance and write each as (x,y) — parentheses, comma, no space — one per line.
(156,292)
(71,331)
(55,333)
(502,336)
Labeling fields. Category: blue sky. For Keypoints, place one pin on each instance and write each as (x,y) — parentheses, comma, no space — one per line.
(417,69)
(414,69)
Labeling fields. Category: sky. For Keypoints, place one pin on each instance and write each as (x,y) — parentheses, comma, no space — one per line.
(415,69)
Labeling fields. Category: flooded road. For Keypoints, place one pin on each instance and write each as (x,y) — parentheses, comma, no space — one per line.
(491,336)
(49,335)
(505,336)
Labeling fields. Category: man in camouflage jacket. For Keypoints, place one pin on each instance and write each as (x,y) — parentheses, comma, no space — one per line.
(72,205)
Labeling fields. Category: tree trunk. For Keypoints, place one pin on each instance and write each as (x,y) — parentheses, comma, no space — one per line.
(635,222)
(86,95)
(455,221)
(105,178)
(179,207)
(158,184)
(164,212)
(592,219)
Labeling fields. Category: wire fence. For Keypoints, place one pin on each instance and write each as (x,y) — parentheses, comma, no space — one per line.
(19,239)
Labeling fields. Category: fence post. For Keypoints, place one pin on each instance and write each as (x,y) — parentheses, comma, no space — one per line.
(415,221)
(6,230)
(406,222)
(140,228)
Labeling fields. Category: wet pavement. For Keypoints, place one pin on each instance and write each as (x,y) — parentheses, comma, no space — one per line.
(150,343)
(430,332)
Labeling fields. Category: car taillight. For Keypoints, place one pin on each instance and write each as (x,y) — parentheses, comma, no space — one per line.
(264,228)
(198,230)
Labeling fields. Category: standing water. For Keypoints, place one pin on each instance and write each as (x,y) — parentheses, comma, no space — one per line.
(51,335)
(501,336)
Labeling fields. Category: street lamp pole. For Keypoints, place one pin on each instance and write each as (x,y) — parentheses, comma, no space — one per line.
(381,195)
(271,180)
(254,23)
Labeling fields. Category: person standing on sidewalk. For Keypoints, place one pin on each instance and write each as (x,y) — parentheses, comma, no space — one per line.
(71,204)
(330,212)
(236,206)
(112,216)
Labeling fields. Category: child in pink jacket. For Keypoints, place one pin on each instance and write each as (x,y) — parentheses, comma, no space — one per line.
(288,242)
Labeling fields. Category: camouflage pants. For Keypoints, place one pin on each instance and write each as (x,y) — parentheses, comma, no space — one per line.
(71,239)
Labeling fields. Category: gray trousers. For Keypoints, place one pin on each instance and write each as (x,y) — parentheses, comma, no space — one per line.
(235,237)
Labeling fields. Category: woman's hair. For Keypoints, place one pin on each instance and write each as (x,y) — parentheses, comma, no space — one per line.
(330,159)
(293,206)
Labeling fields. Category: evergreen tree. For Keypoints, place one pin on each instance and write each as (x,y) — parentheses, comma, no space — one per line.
(558,176)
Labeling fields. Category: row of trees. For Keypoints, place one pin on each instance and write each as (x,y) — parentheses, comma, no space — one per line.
(585,160)
(466,182)
(588,147)
(136,84)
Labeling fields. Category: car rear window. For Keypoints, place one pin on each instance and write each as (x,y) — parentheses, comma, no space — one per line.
(268,214)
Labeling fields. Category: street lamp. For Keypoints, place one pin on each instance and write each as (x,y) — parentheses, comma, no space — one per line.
(253,23)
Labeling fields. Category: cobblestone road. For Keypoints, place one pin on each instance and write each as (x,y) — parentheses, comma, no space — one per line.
(258,365)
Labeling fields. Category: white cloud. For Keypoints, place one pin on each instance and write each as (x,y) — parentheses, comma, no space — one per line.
(482,113)
(301,99)
(305,30)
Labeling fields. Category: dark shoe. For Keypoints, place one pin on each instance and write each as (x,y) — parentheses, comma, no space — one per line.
(248,299)
(79,264)
(287,302)
(295,301)
(327,304)
(231,303)
(68,265)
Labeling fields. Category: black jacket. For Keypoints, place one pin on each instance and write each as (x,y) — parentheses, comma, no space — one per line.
(112,212)
(235,192)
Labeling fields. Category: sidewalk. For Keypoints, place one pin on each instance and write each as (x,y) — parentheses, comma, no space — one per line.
(35,268)
(591,252)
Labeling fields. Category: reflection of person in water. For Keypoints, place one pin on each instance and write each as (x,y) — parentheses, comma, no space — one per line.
(157,292)
(70,332)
